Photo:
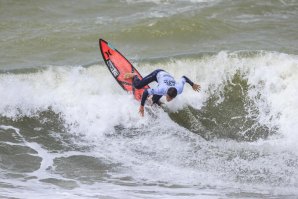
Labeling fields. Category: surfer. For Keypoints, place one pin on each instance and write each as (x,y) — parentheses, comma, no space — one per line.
(167,86)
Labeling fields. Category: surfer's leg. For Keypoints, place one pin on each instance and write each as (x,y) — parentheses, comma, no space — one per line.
(138,84)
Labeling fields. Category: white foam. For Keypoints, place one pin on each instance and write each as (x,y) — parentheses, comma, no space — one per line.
(92,105)
(87,97)
(272,79)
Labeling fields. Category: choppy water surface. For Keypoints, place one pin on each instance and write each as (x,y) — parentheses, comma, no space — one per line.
(68,131)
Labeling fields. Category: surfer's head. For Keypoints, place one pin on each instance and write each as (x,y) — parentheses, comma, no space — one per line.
(171,93)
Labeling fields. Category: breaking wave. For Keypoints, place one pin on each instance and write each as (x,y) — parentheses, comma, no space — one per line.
(241,128)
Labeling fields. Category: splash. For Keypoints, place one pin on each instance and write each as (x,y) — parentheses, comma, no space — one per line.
(241,128)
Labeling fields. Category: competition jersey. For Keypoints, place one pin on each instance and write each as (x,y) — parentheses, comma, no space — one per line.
(165,81)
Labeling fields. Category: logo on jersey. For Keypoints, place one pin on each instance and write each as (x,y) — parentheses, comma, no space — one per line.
(113,69)
(169,82)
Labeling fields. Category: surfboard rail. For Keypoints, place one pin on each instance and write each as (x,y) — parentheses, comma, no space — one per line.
(118,65)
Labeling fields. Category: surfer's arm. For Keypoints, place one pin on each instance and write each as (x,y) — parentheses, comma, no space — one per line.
(188,80)
(152,91)
(144,97)
(146,93)
(195,87)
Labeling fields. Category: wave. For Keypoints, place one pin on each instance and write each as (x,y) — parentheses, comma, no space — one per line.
(241,97)
(240,128)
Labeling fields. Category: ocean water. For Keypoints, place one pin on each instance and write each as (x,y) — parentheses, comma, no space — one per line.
(67,130)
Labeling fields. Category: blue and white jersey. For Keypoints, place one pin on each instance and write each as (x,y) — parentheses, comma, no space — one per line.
(165,81)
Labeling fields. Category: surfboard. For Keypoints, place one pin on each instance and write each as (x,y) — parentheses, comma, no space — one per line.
(118,65)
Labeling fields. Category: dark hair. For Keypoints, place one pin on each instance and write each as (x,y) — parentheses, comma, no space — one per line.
(172,92)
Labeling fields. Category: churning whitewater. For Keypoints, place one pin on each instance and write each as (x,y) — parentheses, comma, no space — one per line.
(68,130)
(63,130)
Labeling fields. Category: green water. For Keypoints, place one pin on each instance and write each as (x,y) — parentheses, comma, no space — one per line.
(38,33)
(67,130)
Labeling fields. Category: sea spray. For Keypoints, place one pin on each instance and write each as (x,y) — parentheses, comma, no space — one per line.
(74,116)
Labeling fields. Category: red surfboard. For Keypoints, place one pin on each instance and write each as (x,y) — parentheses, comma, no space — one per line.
(119,66)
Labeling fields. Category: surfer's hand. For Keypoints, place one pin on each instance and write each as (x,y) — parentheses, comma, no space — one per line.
(141,111)
(196,87)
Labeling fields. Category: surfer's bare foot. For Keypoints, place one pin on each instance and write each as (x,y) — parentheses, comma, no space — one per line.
(129,75)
